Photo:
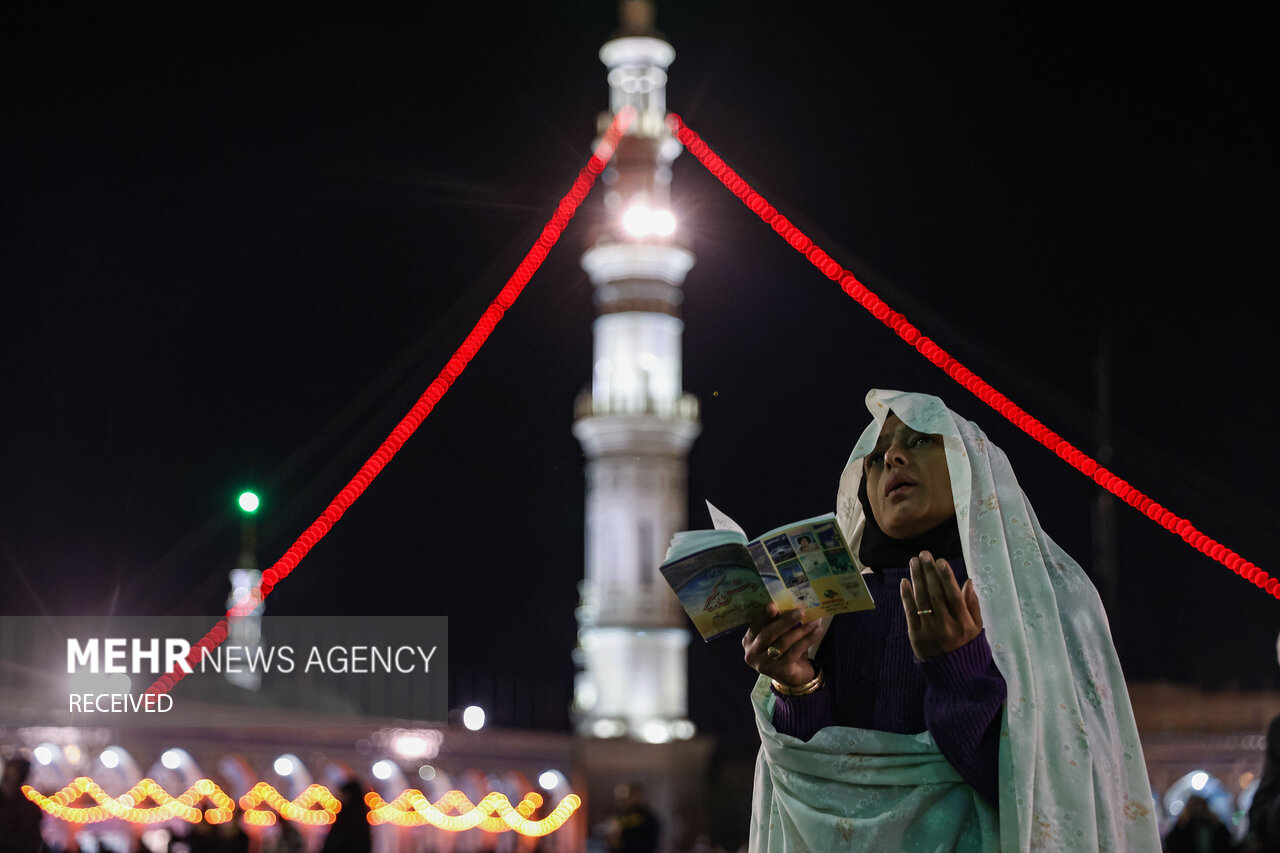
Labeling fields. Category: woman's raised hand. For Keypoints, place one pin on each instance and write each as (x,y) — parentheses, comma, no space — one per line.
(941,617)
(777,644)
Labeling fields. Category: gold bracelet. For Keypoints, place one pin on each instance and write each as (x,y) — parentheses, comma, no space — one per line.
(803,690)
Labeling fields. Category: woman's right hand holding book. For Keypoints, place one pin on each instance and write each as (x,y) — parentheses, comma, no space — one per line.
(777,644)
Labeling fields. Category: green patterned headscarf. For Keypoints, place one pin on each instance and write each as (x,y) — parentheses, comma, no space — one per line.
(1072,775)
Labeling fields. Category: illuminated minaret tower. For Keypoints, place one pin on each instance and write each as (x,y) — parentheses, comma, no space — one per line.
(636,424)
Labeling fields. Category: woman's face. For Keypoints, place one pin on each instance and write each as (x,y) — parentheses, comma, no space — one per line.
(907,481)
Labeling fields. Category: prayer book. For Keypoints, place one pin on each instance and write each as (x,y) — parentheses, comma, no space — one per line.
(725,580)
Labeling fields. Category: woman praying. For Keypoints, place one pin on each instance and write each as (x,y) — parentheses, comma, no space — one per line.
(980,705)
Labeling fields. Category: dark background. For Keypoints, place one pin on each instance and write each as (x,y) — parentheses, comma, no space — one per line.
(240,241)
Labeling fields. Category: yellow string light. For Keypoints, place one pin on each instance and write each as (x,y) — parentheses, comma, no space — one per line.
(494,813)
(316,806)
(128,805)
(301,809)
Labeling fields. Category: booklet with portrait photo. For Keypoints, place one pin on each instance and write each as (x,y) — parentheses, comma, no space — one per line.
(725,580)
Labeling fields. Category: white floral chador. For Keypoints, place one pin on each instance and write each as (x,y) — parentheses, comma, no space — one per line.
(1072,776)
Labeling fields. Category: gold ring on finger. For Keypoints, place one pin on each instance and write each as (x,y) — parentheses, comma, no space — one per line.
(773,652)
(924,612)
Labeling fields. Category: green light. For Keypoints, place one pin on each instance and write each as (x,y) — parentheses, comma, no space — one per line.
(248,502)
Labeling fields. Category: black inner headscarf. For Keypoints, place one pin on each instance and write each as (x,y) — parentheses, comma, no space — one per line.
(879,550)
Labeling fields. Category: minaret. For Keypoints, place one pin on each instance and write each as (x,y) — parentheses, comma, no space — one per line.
(636,424)
(245,578)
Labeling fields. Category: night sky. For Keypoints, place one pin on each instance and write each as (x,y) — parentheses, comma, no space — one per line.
(239,243)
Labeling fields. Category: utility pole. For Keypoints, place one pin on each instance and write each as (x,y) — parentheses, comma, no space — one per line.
(1105,541)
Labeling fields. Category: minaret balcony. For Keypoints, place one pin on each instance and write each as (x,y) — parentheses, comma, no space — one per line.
(685,407)
(613,262)
(622,605)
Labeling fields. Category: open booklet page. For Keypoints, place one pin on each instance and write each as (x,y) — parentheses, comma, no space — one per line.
(724,580)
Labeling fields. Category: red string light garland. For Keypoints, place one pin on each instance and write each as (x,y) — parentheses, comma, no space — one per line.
(410,422)
(975,384)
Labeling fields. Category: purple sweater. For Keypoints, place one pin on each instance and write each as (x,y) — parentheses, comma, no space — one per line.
(873,681)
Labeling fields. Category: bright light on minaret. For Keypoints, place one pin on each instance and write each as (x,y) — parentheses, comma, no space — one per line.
(640,221)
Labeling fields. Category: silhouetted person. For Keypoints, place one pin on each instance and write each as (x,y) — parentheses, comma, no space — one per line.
(350,830)
(1264,811)
(230,837)
(634,829)
(19,817)
(289,840)
(1198,830)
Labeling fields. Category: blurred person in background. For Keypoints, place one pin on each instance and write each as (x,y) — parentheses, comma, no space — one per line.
(1198,830)
(349,832)
(1264,811)
(634,829)
(19,817)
